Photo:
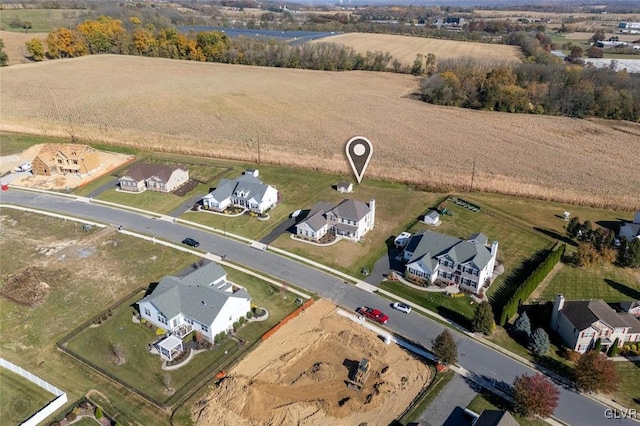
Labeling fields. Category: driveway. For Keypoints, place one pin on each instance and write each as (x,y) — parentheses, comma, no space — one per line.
(102,188)
(279,230)
(446,408)
(185,205)
(383,265)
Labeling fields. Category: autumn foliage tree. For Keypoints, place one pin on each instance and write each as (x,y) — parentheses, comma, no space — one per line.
(534,396)
(596,373)
(35,49)
(65,43)
(445,348)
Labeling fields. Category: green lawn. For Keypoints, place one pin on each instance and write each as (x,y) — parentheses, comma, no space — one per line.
(42,20)
(457,309)
(15,143)
(488,401)
(158,202)
(19,398)
(628,394)
(142,370)
(607,282)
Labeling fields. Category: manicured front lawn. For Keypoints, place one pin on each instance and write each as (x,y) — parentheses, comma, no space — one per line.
(457,309)
(488,401)
(628,394)
(19,398)
(607,282)
(158,202)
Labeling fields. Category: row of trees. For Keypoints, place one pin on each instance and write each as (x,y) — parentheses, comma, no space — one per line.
(597,246)
(108,35)
(525,289)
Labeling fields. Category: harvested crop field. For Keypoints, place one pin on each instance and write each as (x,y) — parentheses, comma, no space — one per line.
(303,118)
(15,48)
(405,48)
(298,377)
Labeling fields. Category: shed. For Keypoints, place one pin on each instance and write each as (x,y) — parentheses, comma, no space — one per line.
(252,172)
(432,218)
(344,187)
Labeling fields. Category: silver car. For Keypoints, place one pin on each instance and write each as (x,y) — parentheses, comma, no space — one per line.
(401,307)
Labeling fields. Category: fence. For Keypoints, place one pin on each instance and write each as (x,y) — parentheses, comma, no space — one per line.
(286,319)
(51,407)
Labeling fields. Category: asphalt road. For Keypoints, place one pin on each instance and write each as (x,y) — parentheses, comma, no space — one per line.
(573,408)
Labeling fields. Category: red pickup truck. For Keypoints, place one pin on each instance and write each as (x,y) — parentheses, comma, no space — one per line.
(373,314)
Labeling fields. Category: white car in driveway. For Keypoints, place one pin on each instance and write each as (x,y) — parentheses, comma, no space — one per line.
(401,307)
(24,167)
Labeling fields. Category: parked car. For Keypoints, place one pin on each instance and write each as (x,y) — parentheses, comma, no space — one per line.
(24,167)
(373,314)
(401,307)
(190,242)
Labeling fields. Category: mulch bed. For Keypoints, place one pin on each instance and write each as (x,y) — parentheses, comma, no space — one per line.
(186,188)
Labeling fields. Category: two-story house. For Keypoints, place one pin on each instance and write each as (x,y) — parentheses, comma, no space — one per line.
(581,322)
(431,256)
(153,177)
(202,301)
(65,158)
(247,192)
(350,219)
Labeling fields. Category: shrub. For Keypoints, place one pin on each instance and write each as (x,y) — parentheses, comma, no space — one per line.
(634,348)
(236,326)
(71,416)
(573,356)
(539,342)
(98,415)
(75,410)
(249,315)
(626,348)
(241,320)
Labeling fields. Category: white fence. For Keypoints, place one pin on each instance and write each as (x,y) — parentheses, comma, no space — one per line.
(47,410)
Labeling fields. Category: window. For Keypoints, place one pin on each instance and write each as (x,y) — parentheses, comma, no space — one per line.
(189,321)
(588,334)
(147,312)
(162,319)
(205,328)
(582,348)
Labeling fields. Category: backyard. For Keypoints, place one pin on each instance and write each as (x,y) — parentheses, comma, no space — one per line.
(19,398)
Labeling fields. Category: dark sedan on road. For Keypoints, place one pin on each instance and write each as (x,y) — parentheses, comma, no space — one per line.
(190,242)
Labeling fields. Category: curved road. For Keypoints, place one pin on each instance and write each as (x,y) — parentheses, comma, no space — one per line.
(573,408)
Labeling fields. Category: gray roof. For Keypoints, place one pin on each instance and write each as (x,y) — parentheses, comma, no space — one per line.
(634,228)
(315,219)
(631,322)
(192,295)
(141,171)
(495,418)
(433,214)
(628,305)
(583,313)
(351,209)
(429,245)
(343,184)
(480,238)
(245,183)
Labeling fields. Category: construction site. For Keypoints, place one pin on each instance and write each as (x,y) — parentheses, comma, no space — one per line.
(319,369)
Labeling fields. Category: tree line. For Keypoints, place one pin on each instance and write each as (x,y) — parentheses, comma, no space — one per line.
(108,35)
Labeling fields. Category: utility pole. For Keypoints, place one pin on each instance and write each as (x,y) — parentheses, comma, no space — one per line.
(473,174)
(258,150)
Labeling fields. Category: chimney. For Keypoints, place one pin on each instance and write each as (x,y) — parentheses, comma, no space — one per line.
(372,207)
(557,307)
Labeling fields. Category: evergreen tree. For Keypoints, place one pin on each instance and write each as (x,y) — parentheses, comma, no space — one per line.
(598,346)
(613,351)
(522,327)
(483,321)
(539,342)
(445,348)
(629,253)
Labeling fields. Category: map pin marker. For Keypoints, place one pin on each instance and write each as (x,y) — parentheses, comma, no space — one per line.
(359,151)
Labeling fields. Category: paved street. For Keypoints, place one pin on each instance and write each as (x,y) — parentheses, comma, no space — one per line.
(482,361)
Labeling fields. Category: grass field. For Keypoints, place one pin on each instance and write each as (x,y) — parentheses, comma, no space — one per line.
(628,393)
(607,282)
(100,270)
(19,398)
(42,20)
(15,45)
(179,106)
(405,48)
(150,200)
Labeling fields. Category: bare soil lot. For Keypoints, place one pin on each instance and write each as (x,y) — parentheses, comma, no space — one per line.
(298,377)
(303,118)
(405,48)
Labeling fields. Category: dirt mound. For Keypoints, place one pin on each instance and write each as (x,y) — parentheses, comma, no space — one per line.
(30,286)
(299,376)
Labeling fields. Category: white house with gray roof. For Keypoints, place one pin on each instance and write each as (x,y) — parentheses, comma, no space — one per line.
(202,300)
(631,230)
(247,191)
(467,263)
(350,219)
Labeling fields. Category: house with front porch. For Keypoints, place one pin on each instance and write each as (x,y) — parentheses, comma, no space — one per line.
(431,256)
(203,301)
(247,191)
(350,219)
(153,177)
(580,323)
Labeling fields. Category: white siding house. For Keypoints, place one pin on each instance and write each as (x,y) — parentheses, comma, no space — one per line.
(246,192)
(350,219)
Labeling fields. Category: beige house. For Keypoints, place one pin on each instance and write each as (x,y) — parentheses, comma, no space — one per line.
(581,323)
(153,177)
(65,158)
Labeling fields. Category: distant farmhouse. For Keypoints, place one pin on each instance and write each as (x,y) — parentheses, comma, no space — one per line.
(631,231)
(351,219)
(581,323)
(247,192)
(153,177)
(202,301)
(65,159)
(467,263)
(629,28)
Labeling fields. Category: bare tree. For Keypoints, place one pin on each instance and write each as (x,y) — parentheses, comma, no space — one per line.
(116,352)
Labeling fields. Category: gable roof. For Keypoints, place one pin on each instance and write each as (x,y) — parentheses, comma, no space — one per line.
(142,171)
(193,295)
(629,305)
(495,418)
(343,184)
(251,185)
(583,313)
(315,219)
(433,214)
(49,151)
(351,209)
(431,245)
